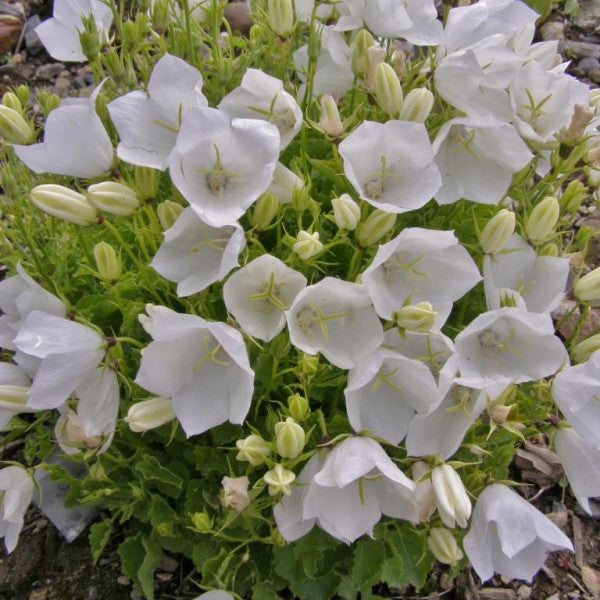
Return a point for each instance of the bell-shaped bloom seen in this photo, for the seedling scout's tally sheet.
(425, 264)
(284, 184)
(509, 536)
(261, 96)
(194, 254)
(518, 272)
(390, 165)
(385, 390)
(259, 294)
(67, 354)
(60, 34)
(16, 492)
(148, 123)
(576, 391)
(222, 165)
(581, 462)
(92, 425)
(20, 295)
(510, 342)
(477, 157)
(75, 141)
(337, 319)
(14, 392)
(202, 366)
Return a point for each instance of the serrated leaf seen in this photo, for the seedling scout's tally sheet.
(263, 591)
(369, 555)
(99, 536)
(160, 512)
(167, 481)
(140, 556)
(209, 460)
(408, 561)
(321, 588)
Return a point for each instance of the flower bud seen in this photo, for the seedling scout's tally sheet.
(497, 231)
(593, 174)
(13, 397)
(281, 16)
(359, 48)
(587, 289)
(107, 262)
(89, 39)
(499, 413)
(417, 105)
(13, 127)
(374, 57)
(150, 414)
(265, 210)
(443, 546)
(346, 212)
(453, 504)
(253, 449)
(377, 225)
(11, 100)
(387, 90)
(549, 250)
(235, 493)
(167, 212)
(202, 522)
(146, 182)
(160, 15)
(571, 199)
(10, 185)
(298, 407)
(289, 438)
(581, 351)
(308, 363)
(582, 117)
(113, 198)
(23, 93)
(279, 480)
(113, 64)
(542, 219)
(330, 122)
(307, 244)
(63, 203)
(418, 318)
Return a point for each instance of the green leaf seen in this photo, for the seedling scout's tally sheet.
(167, 481)
(263, 591)
(140, 556)
(210, 460)
(99, 536)
(369, 555)
(321, 588)
(161, 514)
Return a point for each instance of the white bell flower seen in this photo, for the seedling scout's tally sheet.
(385, 390)
(258, 295)
(201, 365)
(75, 141)
(261, 96)
(222, 165)
(20, 295)
(60, 34)
(194, 254)
(67, 352)
(16, 492)
(14, 392)
(284, 183)
(425, 264)
(390, 165)
(510, 342)
(337, 319)
(477, 158)
(519, 272)
(148, 123)
(509, 536)
(575, 391)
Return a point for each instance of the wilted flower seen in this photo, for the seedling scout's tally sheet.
(235, 493)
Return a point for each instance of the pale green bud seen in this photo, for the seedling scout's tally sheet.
(160, 15)
(281, 16)
(48, 102)
(253, 449)
(89, 38)
(307, 244)
(146, 182)
(63, 203)
(113, 64)
(359, 48)
(13, 397)
(417, 105)
(289, 438)
(587, 289)
(167, 212)
(542, 219)
(378, 224)
(23, 94)
(9, 182)
(583, 350)
(114, 198)
(387, 90)
(330, 122)
(279, 480)
(497, 231)
(549, 250)
(265, 210)
(418, 318)
(346, 212)
(298, 407)
(107, 262)
(11, 100)
(150, 414)
(571, 199)
(308, 363)
(443, 546)
(202, 522)
(499, 413)
(13, 127)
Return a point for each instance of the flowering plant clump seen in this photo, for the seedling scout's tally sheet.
(282, 303)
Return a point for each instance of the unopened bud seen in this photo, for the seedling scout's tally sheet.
(202, 522)
(265, 210)
(417, 105)
(146, 182)
(11, 100)
(13, 397)
(150, 414)
(583, 350)
(298, 407)
(582, 117)
(587, 289)
(378, 224)
(113, 198)
(593, 159)
(497, 231)
(308, 363)
(88, 38)
(235, 493)
(13, 127)
(499, 413)
(63, 203)
(387, 90)
(307, 244)
(279, 480)
(374, 57)
(418, 318)
(160, 15)
(542, 219)
(107, 262)
(549, 250)
(453, 504)
(281, 16)
(359, 47)
(346, 212)
(289, 438)
(167, 212)
(571, 199)
(253, 449)
(113, 64)
(443, 546)
(330, 122)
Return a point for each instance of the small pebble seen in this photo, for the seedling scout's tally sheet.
(553, 30)
(135, 595)
(93, 593)
(122, 580)
(585, 65)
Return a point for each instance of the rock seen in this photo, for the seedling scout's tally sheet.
(135, 595)
(61, 85)
(49, 71)
(32, 41)
(167, 563)
(10, 31)
(560, 519)
(122, 580)
(39, 594)
(163, 577)
(497, 594)
(553, 30)
(585, 65)
(238, 16)
(594, 75)
(524, 592)
(582, 49)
